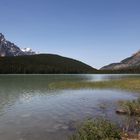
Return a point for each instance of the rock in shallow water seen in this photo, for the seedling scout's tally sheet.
(121, 112)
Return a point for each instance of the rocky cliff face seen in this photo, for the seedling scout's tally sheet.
(10, 49)
(130, 62)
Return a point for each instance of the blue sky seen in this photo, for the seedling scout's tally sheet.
(96, 32)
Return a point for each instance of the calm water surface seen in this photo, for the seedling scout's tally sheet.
(30, 111)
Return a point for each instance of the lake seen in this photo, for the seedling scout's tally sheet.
(29, 110)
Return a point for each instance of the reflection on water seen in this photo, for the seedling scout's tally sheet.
(30, 111)
(104, 77)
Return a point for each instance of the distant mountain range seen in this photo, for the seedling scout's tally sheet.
(14, 60)
(27, 61)
(130, 63)
(10, 49)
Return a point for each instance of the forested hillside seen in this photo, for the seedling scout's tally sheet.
(42, 64)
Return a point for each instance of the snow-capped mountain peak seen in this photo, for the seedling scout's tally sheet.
(10, 49)
(26, 50)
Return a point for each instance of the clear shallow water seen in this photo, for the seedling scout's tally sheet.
(30, 111)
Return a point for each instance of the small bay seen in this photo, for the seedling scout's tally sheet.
(29, 110)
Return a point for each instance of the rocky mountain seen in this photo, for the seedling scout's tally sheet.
(10, 49)
(128, 63)
(25, 62)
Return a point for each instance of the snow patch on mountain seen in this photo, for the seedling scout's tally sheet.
(10, 49)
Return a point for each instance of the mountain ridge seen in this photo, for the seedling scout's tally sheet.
(43, 64)
(8, 48)
(128, 63)
(14, 60)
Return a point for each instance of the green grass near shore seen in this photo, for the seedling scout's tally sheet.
(102, 129)
(131, 108)
(98, 129)
(130, 84)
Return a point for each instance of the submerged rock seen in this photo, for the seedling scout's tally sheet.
(121, 111)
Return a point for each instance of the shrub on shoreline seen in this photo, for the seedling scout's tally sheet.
(131, 108)
(98, 129)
